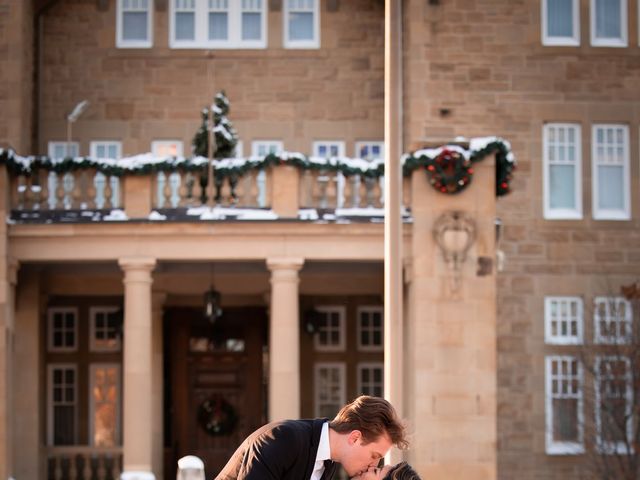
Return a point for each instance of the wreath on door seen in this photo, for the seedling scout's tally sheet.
(216, 416)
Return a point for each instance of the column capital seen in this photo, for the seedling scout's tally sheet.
(285, 263)
(137, 263)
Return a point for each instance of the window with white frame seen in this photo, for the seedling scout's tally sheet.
(134, 24)
(331, 333)
(610, 172)
(561, 22)
(369, 150)
(62, 396)
(562, 175)
(371, 329)
(261, 148)
(105, 325)
(613, 405)
(106, 149)
(330, 388)
(371, 379)
(104, 409)
(612, 318)
(167, 148)
(564, 324)
(218, 24)
(609, 23)
(564, 404)
(62, 329)
(61, 150)
(328, 149)
(301, 23)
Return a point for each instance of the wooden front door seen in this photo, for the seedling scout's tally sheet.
(215, 375)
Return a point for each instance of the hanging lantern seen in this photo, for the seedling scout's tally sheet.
(212, 310)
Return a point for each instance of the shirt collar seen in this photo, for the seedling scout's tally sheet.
(324, 448)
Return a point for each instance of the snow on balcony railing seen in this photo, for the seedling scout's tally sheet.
(84, 463)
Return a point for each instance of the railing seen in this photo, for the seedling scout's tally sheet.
(327, 189)
(84, 463)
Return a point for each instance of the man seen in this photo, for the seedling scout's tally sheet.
(361, 434)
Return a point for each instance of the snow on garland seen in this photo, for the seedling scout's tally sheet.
(143, 164)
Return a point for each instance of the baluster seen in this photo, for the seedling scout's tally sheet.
(188, 189)
(340, 183)
(73, 468)
(232, 181)
(306, 189)
(261, 182)
(57, 468)
(21, 189)
(100, 184)
(355, 191)
(220, 189)
(175, 181)
(68, 184)
(44, 185)
(381, 185)
(370, 185)
(115, 471)
(52, 183)
(35, 190)
(242, 187)
(161, 181)
(115, 191)
(101, 470)
(91, 191)
(322, 182)
(108, 192)
(87, 470)
(80, 190)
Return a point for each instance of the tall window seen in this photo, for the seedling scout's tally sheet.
(106, 149)
(331, 329)
(612, 320)
(134, 27)
(61, 150)
(218, 24)
(105, 404)
(330, 388)
(62, 387)
(609, 23)
(564, 403)
(560, 22)
(614, 419)
(370, 329)
(371, 379)
(610, 172)
(301, 24)
(562, 171)
(563, 320)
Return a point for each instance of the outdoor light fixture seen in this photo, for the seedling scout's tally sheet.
(71, 119)
(212, 309)
(454, 232)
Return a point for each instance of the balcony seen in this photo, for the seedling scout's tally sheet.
(84, 463)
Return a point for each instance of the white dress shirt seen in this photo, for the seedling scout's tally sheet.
(324, 453)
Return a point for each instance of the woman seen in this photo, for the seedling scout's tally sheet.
(401, 471)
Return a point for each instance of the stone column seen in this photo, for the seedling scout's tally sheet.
(137, 365)
(158, 300)
(284, 339)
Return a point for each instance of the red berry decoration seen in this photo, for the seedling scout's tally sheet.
(450, 172)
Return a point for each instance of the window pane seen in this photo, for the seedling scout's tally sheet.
(301, 26)
(251, 26)
(565, 413)
(63, 425)
(134, 26)
(562, 186)
(104, 398)
(218, 26)
(185, 26)
(560, 18)
(608, 19)
(611, 187)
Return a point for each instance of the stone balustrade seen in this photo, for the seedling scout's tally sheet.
(84, 463)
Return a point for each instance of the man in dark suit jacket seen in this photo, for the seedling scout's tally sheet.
(358, 437)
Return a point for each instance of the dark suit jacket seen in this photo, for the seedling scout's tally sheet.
(277, 451)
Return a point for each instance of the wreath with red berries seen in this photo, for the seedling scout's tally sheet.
(216, 416)
(450, 172)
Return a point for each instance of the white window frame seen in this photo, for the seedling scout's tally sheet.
(341, 367)
(51, 147)
(342, 328)
(50, 369)
(598, 336)
(604, 214)
(560, 339)
(120, 41)
(562, 213)
(51, 311)
(92, 407)
(373, 143)
(95, 144)
(314, 43)
(234, 16)
(328, 143)
(573, 40)
(608, 447)
(369, 366)
(563, 448)
(277, 146)
(157, 144)
(370, 309)
(93, 347)
(620, 42)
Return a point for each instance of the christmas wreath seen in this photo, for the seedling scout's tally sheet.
(449, 172)
(216, 416)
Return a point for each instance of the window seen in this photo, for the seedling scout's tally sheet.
(609, 23)
(60, 150)
(564, 402)
(104, 413)
(301, 24)
(134, 27)
(261, 148)
(218, 24)
(62, 328)
(612, 320)
(330, 388)
(614, 419)
(238, 152)
(370, 329)
(62, 404)
(330, 336)
(166, 148)
(369, 150)
(105, 324)
(610, 172)
(563, 320)
(562, 171)
(560, 22)
(106, 150)
(370, 379)
(328, 149)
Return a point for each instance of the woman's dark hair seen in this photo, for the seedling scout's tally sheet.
(402, 471)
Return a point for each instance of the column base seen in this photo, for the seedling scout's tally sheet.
(137, 475)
